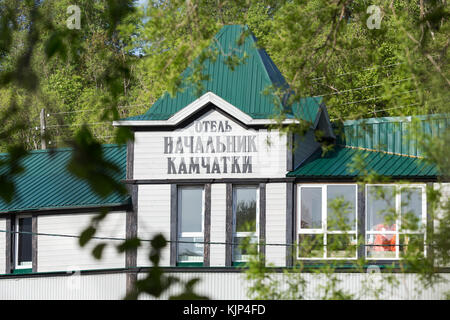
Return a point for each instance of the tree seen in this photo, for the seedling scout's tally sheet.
(122, 56)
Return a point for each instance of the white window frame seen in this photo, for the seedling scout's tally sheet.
(27, 264)
(398, 188)
(179, 211)
(241, 234)
(323, 231)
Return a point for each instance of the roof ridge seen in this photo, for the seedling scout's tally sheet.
(256, 74)
(65, 149)
(382, 151)
(396, 119)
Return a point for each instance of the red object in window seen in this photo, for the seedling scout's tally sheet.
(384, 242)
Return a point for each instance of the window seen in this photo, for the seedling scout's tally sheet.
(327, 221)
(245, 219)
(190, 224)
(23, 243)
(396, 220)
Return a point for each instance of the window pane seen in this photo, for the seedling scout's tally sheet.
(310, 246)
(341, 246)
(311, 210)
(190, 203)
(245, 206)
(24, 244)
(341, 207)
(191, 251)
(243, 247)
(381, 208)
(411, 208)
(381, 246)
(412, 244)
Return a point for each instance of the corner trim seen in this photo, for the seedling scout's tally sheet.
(173, 224)
(207, 226)
(262, 220)
(34, 242)
(229, 225)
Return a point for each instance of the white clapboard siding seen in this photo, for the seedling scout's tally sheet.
(444, 189)
(153, 218)
(3, 246)
(276, 223)
(218, 217)
(268, 161)
(64, 253)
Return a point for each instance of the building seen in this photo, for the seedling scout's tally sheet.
(201, 167)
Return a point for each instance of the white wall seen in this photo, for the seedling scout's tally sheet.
(444, 188)
(218, 218)
(219, 285)
(153, 218)
(2, 246)
(64, 253)
(363, 286)
(276, 223)
(150, 161)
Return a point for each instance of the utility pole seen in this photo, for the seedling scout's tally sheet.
(43, 127)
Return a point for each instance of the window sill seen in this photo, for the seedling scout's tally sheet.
(239, 264)
(190, 264)
(22, 271)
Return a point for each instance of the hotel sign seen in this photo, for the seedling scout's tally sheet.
(210, 147)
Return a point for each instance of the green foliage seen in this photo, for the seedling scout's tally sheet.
(123, 59)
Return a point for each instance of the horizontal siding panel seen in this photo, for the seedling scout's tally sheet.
(62, 253)
(220, 286)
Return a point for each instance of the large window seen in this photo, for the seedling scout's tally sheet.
(23, 243)
(245, 220)
(395, 220)
(327, 221)
(190, 224)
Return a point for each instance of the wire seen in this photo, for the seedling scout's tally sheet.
(92, 110)
(76, 124)
(376, 98)
(360, 88)
(371, 112)
(375, 111)
(366, 69)
(182, 241)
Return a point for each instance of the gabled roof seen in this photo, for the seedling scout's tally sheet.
(46, 183)
(337, 164)
(242, 87)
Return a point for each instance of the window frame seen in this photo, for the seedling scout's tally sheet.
(324, 230)
(398, 209)
(234, 233)
(181, 234)
(29, 264)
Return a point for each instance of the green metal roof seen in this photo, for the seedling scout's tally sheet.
(243, 87)
(337, 164)
(393, 134)
(46, 183)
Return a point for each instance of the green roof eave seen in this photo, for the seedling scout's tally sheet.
(338, 164)
(47, 185)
